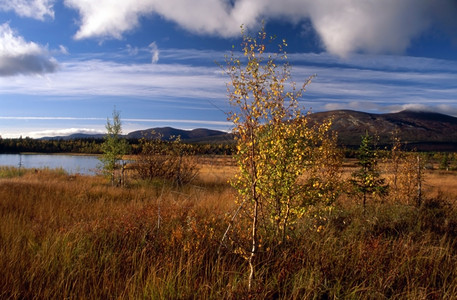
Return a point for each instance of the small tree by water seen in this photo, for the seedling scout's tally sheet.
(114, 147)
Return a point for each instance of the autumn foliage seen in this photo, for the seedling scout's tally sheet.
(276, 147)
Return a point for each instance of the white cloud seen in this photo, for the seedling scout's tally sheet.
(63, 132)
(371, 26)
(440, 108)
(344, 26)
(393, 108)
(155, 52)
(107, 18)
(215, 17)
(36, 9)
(18, 56)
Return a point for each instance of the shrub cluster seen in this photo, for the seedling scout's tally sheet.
(166, 160)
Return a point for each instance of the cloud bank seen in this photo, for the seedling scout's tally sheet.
(344, 26)
(352, 83)
(18, 56)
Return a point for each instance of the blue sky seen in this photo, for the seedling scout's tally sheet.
(65, 64)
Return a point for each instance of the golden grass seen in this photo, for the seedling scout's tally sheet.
(217, 169)
(76, 237)
(441, 182)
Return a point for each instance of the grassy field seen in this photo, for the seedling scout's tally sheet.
(76, 237)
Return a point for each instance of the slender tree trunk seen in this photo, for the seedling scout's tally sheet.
(255, 214)
(286, 219)
(254, 244)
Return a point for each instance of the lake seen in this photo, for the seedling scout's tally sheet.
(72, 164)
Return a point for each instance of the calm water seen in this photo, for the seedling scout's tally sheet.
(72, 164)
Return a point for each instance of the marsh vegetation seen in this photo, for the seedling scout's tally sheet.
(71, 236)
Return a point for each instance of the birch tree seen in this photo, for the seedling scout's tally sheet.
(275, 144)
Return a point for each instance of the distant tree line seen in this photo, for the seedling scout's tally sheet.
(94, 146)
(87, 145)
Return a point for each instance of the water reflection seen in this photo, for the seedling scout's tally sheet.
(72, 164)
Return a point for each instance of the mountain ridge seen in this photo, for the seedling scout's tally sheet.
(167, 133)
(420, 130)
(424, 131)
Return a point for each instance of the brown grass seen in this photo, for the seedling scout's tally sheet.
(76, 237)
(441, 182)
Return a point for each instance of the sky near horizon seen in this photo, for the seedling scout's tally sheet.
(66, 64)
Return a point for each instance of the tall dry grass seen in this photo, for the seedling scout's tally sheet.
(76, 237)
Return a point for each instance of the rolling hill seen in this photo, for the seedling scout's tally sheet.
(423, 131)
(191, 136)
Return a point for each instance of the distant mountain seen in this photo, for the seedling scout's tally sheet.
(191, 136)
(199, 135)
(425, 131)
